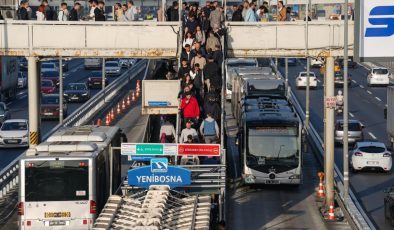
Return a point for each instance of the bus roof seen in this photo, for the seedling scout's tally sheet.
(73, 141)
(254, 71)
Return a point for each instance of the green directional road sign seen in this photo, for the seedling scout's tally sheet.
(141, 149)
(151, 149)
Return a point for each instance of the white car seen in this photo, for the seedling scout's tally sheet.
(315, 62)
(379, 76)
(112, 68)
(301, 80)
(124, 63)
(49, 66)
(370, 155)
(22, 80)
(14, 133)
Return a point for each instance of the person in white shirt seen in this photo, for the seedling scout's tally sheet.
(131, 12)
(188, 131)
(168, 129)
(63, 13)
(40, 13)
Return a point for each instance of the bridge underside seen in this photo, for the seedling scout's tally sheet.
(161, 40)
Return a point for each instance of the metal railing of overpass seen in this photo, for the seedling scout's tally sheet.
(161, 39)
(89, 39)
(9, 175)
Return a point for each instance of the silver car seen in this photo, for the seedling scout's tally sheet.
(355, 131)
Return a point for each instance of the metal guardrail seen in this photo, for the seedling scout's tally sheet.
(9, 175)
(359, 217)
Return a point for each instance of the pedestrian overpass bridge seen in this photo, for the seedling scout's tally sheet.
(162, 39)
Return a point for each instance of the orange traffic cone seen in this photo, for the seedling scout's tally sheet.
(331, 215)
(123, 105)
(118, 109)
(133, 96)
(128, 100)
(107, 120)
(320, 191)
(112, 114)
(99, 122)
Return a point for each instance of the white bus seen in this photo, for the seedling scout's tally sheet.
(233, 63)
(65, 181)
(270, 142)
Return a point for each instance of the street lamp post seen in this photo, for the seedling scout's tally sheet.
(345, 106)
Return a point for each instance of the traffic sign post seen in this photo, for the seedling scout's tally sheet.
(330, 102)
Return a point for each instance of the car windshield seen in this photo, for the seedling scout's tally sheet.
(372, 149)
(111, 64)
(2, 109)
(46, 84)
(47, 65)
(380, 71)
(20, 75)
(305, 74)
(272, 145)
(353, 126)
(52, 100)
(96, 74)
(76, 87)
(7, 126)
(50, 74)
(338, 75)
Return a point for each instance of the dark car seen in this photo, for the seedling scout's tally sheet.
(47, 86)
(4, 112)
(95, 80)
(339, 79)
(23, 64)
(389, 205)
(50, 107)
(351, 64)
(290, 61)
(76, 92)
(51, 75)
(64, 63)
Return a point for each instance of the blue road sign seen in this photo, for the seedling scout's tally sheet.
(159, 173)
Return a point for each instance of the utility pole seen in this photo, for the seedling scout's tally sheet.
(329, 130)
(34, 100)
(61, 90)
(286, 74)
(345, 107)
(308, 64)
(103, 74)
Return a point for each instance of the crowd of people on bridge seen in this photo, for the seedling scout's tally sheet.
(200, 76)
(195, 19)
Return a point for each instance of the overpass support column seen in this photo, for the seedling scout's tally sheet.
(34, 101)
(329, 130)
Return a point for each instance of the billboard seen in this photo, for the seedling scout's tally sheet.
(374, 30)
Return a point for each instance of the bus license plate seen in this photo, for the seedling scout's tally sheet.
(372, 162)
(57, 222)
(57, 214)
(272, 182)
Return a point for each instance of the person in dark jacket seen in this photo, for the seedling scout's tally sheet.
(191, 24)
(211, 105)
(99, 12)
(183, 69)
(50, 14)
(22, 11)
(237, 15)
(218, 56)
(74, 13)
(174, 12)
(211, 73)
(204, 22)
(187, 54)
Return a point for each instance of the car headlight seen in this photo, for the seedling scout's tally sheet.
(89, 79)
(26, 135)
(250, 178)
(295, 176)
(65, 94)
(84, 94)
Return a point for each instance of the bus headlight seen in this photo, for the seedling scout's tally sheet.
(295, 176)
(250, 179)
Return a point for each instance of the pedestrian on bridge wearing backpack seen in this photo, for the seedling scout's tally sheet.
(209, 129)
(22, 11)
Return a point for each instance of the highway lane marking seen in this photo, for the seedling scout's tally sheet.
(373, 136)
(362, 124)
(378, 99)
(24, 96)
(318, 80)
(369, 92)
(361, 86)
(354, 81)
(351, 114)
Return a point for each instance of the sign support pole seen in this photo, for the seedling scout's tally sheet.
(345, 107)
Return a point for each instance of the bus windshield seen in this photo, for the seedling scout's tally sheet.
(272, 146)
(57, 180)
